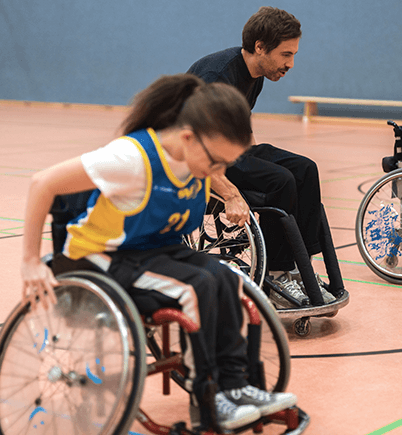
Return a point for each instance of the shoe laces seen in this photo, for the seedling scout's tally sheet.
(293, 288)
(255, 393)
(320, 281)
(321, 284)
(223, 404)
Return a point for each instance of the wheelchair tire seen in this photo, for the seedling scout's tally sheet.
(378, 227)
(243, 247)
(76, 368)
(274, 349)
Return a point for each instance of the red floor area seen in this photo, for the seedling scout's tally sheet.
(343, 373)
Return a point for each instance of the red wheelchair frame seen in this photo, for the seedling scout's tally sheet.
(293, 418)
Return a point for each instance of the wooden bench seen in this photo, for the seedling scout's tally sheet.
(310, 103)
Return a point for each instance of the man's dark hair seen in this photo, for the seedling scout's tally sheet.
(271, 26)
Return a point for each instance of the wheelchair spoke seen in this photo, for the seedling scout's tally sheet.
(242, 247)
(68, 369)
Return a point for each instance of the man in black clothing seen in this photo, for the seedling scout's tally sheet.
(286, 180)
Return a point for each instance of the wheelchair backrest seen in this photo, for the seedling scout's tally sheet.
(63, 210)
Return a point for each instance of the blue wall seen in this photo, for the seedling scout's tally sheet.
(103, 51)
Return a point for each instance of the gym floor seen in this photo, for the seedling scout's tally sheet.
(346, 373)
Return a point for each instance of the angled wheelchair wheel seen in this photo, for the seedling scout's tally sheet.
(267, 340)
(378, 227)
(243, 247)
(269, 357)
(76, 368)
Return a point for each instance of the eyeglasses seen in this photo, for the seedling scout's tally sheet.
(214, 163)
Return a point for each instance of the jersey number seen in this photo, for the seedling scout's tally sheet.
(177, 221)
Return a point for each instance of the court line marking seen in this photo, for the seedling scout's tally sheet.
(342, 199)
(347, 354)
(14, 171)
(10, 236)
(340, 208)
(19, 168)
(373, 283)
(11, 219)
(351, 177)
(346, 246)
(342, 229)
(384, 284)
(15, 175)
(11, 231)
(387, 428)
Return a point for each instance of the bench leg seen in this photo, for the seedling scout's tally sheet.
(310, 109)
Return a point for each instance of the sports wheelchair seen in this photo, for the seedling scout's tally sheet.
(378, 221)
(79, 367)
(244, 247)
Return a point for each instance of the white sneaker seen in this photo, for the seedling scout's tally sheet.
(267, 403)
(231, 416)
(290, 287)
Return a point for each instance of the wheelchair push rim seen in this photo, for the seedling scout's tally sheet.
(78, 366)
(242, 247)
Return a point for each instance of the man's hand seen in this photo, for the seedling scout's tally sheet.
(237, 210)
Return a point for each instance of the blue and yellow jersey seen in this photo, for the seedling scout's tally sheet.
(169, 209)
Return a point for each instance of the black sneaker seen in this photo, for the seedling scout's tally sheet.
(267, 403)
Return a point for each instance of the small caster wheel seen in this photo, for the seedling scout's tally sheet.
(392, 261)
(302, 327)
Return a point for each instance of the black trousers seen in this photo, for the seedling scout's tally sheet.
(290, 182)
(204, 289)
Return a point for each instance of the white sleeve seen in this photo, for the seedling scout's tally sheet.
(116, 169)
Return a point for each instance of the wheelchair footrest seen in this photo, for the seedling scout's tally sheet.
(294, 418)
(290, 417)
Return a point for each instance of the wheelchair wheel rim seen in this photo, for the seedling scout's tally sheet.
(61, 380)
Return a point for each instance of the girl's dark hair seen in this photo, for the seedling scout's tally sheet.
(271, 26)
(186, 100)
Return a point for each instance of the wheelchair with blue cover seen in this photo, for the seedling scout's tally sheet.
(79, 366)
(244, 248)
(378, 221)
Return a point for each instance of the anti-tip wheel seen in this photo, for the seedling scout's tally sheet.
(302, 327)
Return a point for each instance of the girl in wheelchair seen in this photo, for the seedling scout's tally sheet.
(150, 187)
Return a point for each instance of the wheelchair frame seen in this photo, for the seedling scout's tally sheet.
(91, 301)
(245, 249)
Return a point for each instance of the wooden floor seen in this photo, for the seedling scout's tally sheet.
(347, 373)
